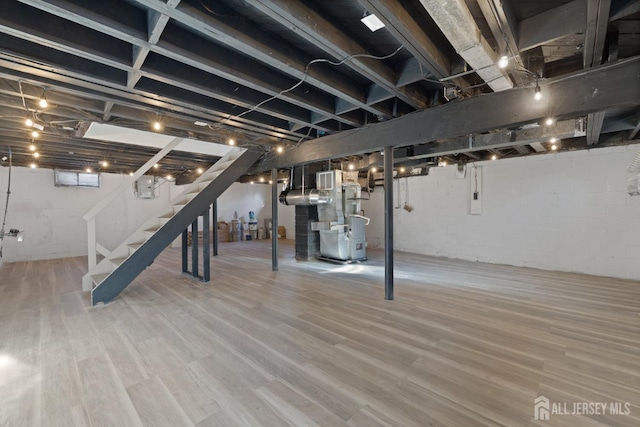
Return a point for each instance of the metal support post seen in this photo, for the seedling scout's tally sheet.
(388, 223)
(274, 219)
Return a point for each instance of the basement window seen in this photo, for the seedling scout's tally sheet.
(76, 179)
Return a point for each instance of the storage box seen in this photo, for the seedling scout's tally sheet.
(223, 225)
(282, 232)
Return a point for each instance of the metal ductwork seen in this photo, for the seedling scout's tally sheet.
(456, 22)
(633, 177)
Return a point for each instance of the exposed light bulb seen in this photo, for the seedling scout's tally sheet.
(351, 166)
(374, 169)
(444, 163)
(28, 122)
(104, 163)
(232, 141)
(157, 125)
(130, 173)
(537, 94)
(35, 134)
(549, 121)
(199, 170)
(554, 147)
(169, 178)
(36, 154)
(156, 166)
(88, 170)
(402, 170)
(33, 166)
(270, 181)
(251, 182)
(494, 157)
(553, 140)
(43, 102)
(280, 149)
(32, 147)
(261, 179)
(503, 62)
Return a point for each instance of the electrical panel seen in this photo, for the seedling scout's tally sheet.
(145, 187)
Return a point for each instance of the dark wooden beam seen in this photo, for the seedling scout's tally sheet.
(607, 86)
(594, 126)
(596, 31)
(316, 29)
(553, 24)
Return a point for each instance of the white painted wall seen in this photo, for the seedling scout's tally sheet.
(566, 211)
(52, 216)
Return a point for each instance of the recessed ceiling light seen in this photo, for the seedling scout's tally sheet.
(372, 22)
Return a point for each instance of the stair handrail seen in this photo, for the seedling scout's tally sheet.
(90, 217)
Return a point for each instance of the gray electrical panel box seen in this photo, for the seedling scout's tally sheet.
(145, 187)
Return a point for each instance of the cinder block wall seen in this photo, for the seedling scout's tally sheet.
(565, 211)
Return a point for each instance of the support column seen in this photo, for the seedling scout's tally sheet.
(215, 228)
(388, 223)
(194, 248)
(206, 254)
(274, 219)
(185, 251)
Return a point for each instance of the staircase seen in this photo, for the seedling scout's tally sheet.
(114, 273)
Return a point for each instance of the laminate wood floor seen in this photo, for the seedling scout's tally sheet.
(315, 344)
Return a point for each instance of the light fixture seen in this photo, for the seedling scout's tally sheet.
(351, 166)
(35, 134)
(537, 95)
(374, 169)
(130, 173)
(32, 147)
(270, 181)
(402, 170)
(157, 125)
(88, 170)
(442, 162)
(261, 179)
(549, 121)
(251, 182)
(280, 149)
(156, 166)
(4, 158)
(503, 61)
(36, 154)
(43, 102)
(372, 22)
(199, 170)
(33, 166)
(169, 178)
(104, 163)
(231, 141)
(494, 157)
(554, 147)
(199, 123)
(28, 122)
(553, 140)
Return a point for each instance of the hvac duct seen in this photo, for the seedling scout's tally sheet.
(633, 177)
(456, 22)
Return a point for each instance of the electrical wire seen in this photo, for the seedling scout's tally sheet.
(303, 78)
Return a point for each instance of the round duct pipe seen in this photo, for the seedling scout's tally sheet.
(305, 198)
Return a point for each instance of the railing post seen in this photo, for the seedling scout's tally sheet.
(91, 239)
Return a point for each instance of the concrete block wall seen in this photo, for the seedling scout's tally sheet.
(563, 211)
(51, 217)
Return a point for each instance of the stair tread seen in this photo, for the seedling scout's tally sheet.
(98, 278)
(135, 245)
(118, 261)
(153, 229)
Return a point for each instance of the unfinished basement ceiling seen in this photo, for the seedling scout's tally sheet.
(264, 72)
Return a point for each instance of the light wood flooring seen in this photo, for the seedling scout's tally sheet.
(315, 344)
